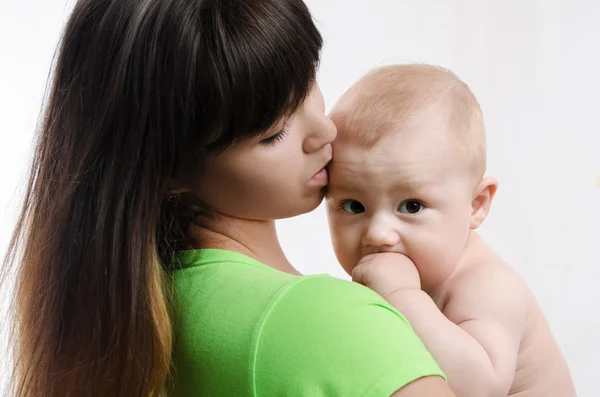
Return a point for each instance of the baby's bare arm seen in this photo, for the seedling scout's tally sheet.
(477, 344)
(490, 303)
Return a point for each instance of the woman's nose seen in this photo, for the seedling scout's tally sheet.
(322, 133)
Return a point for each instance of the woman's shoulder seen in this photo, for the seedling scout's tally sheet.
(323, 304)
(340, 336)
(226, 276)
(333, 293)
(230, 278)
(276, 333)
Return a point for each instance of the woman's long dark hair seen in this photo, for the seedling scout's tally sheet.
(139, 89)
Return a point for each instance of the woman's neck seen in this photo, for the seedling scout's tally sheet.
(256, 239)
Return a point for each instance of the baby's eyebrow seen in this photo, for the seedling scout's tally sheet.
(344, 189)
(413, 184)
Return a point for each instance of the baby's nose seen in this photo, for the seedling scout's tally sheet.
(380, 235)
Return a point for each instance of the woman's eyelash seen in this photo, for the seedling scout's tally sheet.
(277, 137)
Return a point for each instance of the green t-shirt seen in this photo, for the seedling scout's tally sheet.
(245, 329)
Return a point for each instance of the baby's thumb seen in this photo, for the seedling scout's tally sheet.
(359, 274)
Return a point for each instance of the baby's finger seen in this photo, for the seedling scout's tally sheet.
(359, 274)
(366, 259)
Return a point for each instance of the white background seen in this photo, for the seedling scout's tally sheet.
(534, 66)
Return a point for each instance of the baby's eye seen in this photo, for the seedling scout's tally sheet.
(352, 207)
(410, 207)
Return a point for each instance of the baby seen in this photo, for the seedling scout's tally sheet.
(407, 180)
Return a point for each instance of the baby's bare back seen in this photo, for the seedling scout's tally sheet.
(541, 369)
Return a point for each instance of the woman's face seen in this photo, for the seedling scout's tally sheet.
(277, 175)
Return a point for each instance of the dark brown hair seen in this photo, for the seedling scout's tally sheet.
(139, 87)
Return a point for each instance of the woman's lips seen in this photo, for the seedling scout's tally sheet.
(320, 178)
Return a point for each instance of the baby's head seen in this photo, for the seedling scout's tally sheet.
(407, 169)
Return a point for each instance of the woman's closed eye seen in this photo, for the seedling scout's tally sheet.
(277, 137)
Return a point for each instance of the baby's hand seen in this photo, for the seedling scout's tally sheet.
(386, 273)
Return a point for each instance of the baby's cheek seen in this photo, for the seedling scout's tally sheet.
(422, 258)
(436, 264)
(422, 248)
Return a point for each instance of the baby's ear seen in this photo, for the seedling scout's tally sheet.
(482, 201)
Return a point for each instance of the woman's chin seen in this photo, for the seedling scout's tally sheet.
(308, 205)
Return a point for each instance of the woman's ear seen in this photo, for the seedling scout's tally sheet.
(179, 183)
(482, 201)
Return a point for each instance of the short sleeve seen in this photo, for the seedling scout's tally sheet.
(329, 337)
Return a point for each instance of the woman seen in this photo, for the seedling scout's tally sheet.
(175, 133)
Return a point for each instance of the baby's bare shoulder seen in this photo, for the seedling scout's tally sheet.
(488, 289)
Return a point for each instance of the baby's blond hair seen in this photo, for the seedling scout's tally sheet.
(390, 97)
